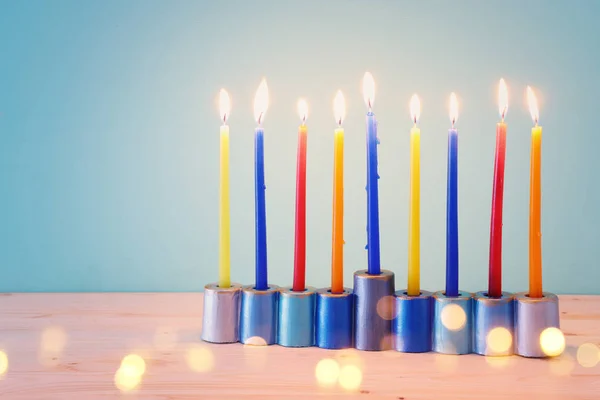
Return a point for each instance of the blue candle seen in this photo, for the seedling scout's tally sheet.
(373, 256)
(261, 101)
(452, 205)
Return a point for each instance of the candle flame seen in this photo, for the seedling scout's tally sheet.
(261, 101)
(502, 99)
(415, 108)
(224, 105)
(533, 105)
(339, 107)
(453, 108)
(302, 110)
(369, 90)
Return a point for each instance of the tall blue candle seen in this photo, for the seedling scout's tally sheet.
(452, 205)
(373, 256)
(261, 101)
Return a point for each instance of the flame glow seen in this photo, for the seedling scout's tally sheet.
(224, 105)
(502, 99)
(302, 110)
(415, 108)
(369, 89)
(533, 105)
(453, 108)
(261, 101)
(339, 107)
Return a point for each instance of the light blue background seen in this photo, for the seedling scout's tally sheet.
(109, 128)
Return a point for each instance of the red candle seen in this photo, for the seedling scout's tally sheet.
(300, 233)
(495, 278)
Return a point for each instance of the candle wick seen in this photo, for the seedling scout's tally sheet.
(260, 118)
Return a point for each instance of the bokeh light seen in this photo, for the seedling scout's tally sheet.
(453, 317)
(127, 379)
(3, 363)
(200, 358)
(130, 372)
(54, 339)
(350, 377)
(134, 363)
(327, 372)
(256, 341)
(52, 345)
(499, 340)
(552, 342)
(588, 355)
(385, 308)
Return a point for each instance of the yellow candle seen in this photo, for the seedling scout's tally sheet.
(224, 225)
(337, 237)
(535, 202)
(414, 224)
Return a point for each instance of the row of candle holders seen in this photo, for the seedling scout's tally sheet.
(374, 317)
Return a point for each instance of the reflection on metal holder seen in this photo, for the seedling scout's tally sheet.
(374, 310)
(493, 324)
(532, 316)
(334, 319)
(258, 315)
(413, 322)
(452, 323)
(221, 315)
(296, 321)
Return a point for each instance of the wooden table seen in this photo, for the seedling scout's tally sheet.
(70, 346)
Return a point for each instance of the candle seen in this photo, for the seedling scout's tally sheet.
(495, 275)
(373, 257)
(300, 234)
(452, 205)
(261, 103)
(535, 201)
(224, 225)
(414, 224)
(337, 237)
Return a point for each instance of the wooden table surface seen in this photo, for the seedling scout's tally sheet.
(71, 346)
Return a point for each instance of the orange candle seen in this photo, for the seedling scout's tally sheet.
(337, 236)
(535, 202)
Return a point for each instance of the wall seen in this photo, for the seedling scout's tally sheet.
(109, 129)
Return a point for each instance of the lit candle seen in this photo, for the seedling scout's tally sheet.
(495, 275)
(337, 237)
(261, 103)
(300, 234)
(535, 201)
(373, 257)
(224, 225)
(414, 224)
(452, 205)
